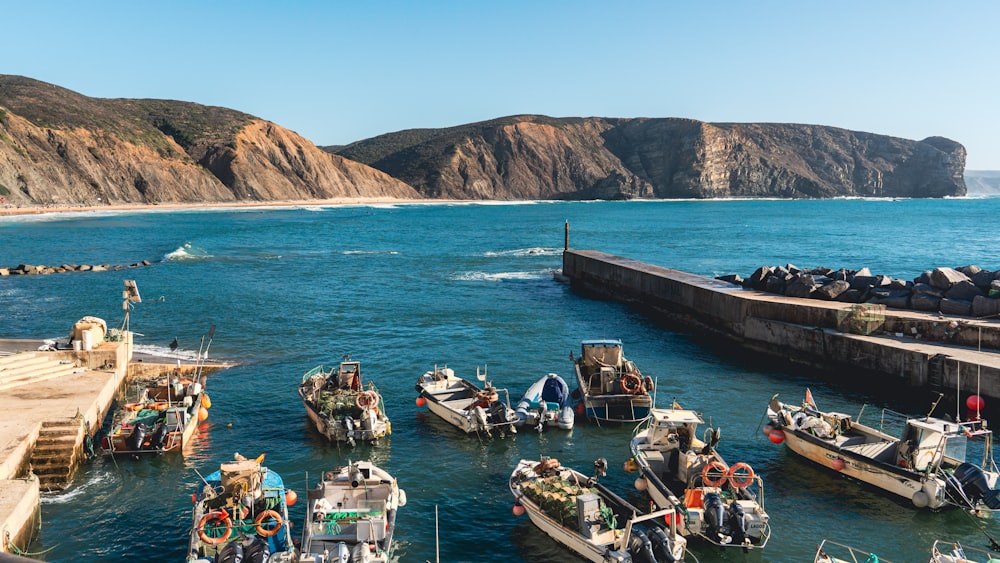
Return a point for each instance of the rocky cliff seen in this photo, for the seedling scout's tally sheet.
(538, 157)
(58, 147)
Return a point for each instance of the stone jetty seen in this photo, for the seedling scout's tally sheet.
(968, 291)
(29, 269)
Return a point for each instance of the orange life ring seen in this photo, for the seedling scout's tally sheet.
(741, 480)
(133, 406)
(647, 384)
(216, 520)
(367, 400)
(631, 383)
(714, 467)
(259, 523)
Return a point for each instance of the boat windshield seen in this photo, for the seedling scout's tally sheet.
(955, 447)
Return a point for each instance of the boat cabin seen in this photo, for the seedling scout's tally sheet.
(925, 441)
(349, 375)
(675, 428)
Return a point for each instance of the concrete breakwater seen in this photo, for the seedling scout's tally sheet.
(30, 269)
(922, 350)
(965, 291)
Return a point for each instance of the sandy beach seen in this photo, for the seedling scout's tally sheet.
(37, 210)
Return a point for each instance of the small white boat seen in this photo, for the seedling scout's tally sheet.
(464, 405)
(351, 516)
(241, 514)
(609, 387)
(954, 552)
(926, 465)
(341, 406)
(583, 515)
(546, 403)
(833, 552)
(722, 504)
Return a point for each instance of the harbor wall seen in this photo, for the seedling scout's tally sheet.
(920, 350)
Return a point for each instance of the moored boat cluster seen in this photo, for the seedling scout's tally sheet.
(695, 495)
(966, 290)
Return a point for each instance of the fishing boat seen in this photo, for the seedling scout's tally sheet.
(164, 415)
(925, 464)
(589, 519)
(463, 404)
(546, 403)
(351, 516)
(954, 552)
(609, 387)
(341, 406)
(721, 504)
(162, 419)
(241, 514)
(843, 553)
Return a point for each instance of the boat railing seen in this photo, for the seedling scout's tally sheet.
(856, 555)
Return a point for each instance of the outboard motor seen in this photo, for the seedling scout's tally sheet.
(714, 515)
(543, 408)
(159, 436)
(498, 413)
(348, 428)
(975, 486)
(134, 441)
(662, 546)
(342, 553)
(640, 547)
(737, 523)
(256, 552)
(232, 552)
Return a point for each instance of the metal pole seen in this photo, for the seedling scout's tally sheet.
(566, 236)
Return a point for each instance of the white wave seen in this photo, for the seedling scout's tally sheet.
(353, 252)
(503, 276)
(535, 251)
(186, 252)
(68, 495)
(166, 352)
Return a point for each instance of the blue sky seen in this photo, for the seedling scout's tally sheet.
(336, 72)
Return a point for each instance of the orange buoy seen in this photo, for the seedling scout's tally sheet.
(580, 409)
(202, 414)
(290, 497)
(206, 402)
(777, 436)
(518, 510)
(839, 464)
(421, 401)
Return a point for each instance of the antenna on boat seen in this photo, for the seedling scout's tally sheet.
(437, 542)
(934, 406)
(129, 295)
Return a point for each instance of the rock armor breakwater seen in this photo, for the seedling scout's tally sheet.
(30, 269)
(964, 291)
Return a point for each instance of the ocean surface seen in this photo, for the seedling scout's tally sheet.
(404, 288)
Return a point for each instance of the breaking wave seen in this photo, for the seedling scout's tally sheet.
(353, 252)
(166, 352)
(504, 276)
(534, 251)
(186, 252)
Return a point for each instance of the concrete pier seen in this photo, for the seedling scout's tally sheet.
(50, 403)
(920, 350)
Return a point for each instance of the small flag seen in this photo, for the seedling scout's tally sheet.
(809, 398)
(676, 405)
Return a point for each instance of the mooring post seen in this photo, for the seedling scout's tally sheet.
(566, 236)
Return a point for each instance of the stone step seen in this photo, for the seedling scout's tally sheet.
(14, 361)
(35, 373)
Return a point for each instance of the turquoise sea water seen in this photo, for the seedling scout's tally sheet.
(402, 288)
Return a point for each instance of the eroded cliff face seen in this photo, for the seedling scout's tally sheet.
(67, 150)
(536, 157)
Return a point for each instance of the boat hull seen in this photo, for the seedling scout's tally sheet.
(889, 478)
(465, 406)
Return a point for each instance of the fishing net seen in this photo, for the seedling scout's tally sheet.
(557, 497)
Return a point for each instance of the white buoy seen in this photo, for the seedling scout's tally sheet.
(640, 484)
(919, 499)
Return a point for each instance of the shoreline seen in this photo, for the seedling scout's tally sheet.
(174, 206)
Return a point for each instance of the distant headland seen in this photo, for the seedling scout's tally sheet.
(62, 150)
